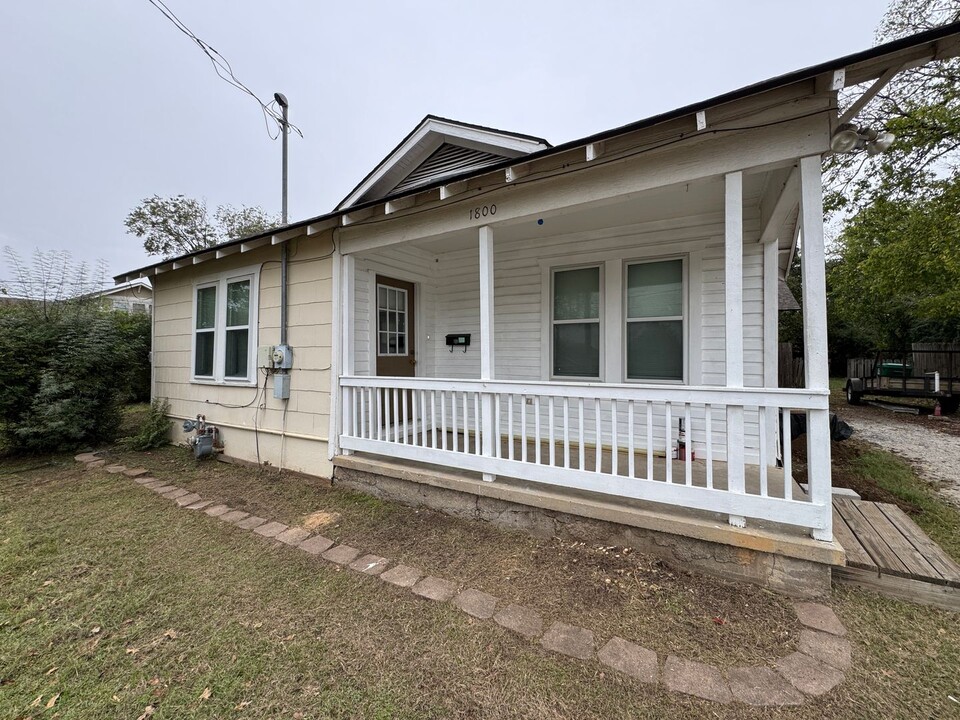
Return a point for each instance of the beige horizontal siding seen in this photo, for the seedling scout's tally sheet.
(309, 332)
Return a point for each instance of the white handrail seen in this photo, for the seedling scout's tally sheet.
(797, 399)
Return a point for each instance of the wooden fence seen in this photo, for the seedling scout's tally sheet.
(789, 368)
(943, 358)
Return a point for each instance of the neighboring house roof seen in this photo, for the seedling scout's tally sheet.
(140, 284)
(786, 300)
(437, 149)
(858, 68)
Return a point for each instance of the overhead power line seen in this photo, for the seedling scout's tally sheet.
(225, 72)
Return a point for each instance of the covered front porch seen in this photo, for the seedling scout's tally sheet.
(678, 409)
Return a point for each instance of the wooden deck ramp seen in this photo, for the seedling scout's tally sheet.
(887, 552)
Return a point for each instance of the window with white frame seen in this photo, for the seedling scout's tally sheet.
(391, 321)
(654, 315)
(224, 329)
(575, 320)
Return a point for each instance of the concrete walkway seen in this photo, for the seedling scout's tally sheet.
(816, 668)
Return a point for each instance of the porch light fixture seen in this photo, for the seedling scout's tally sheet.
(849, 138)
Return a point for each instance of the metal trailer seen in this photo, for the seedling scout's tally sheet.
(933, 374)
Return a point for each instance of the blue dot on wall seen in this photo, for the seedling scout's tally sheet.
(540, 221)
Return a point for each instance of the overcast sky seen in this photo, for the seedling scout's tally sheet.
(106, 102)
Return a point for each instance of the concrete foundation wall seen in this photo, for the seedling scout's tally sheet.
(791, 576)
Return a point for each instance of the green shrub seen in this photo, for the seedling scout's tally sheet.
(66, 371)
(154, 430)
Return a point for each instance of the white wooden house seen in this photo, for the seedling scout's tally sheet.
(613, 289)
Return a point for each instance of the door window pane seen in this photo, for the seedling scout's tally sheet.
(203, 354)
(391, 320)
(655, 350)
(576, 349)
(206, 307)
(235, 362)
(576, 294)
(655, 289)
(238, 303)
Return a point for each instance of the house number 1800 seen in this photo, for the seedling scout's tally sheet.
(482, 212)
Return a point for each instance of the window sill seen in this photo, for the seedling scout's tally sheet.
(224, 383)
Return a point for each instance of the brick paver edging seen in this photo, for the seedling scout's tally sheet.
(816, 668)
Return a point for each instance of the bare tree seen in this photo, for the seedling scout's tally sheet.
(52, 281)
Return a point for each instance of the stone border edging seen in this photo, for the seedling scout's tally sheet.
(816, 668)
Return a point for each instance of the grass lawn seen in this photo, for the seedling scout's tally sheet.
(113, 601)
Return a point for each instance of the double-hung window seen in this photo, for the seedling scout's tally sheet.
(654, 314)
(576, 323)
(224, 329)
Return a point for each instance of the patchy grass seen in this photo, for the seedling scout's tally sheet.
(112, 600)
(879, 475)
(940, 520)
(610, 590)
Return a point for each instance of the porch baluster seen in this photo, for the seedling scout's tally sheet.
(413, 414)
(787, 456)
(708, 428)
(453, 419)
(649, 440)
(396, 415)
(599, 435)
(433, 419)
(478, 424)
(762, 427)
(553, 446)
(614, 446)
(668, 440)
(443, 419)
(523, 428)
(536, 427)
(510, 426)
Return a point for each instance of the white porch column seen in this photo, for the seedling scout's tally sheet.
(489, 425)
(733, 300)
(771, 347)
(347, 340)
(815, 367)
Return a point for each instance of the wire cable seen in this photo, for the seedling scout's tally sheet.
(224, 70)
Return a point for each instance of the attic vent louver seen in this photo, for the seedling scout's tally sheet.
(447, 160)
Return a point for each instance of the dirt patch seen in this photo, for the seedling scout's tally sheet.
(320, 519)
(610, 590)
(846, 473)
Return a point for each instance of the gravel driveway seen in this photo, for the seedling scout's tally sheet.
(935, 454)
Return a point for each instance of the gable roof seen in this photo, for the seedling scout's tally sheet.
(936, 44)
(437, 149)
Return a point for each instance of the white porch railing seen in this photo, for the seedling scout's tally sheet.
(613, 439)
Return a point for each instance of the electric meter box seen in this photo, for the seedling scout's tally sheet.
(283, 357)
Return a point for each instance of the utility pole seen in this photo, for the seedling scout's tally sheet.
(285, 131)
(283, 356)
